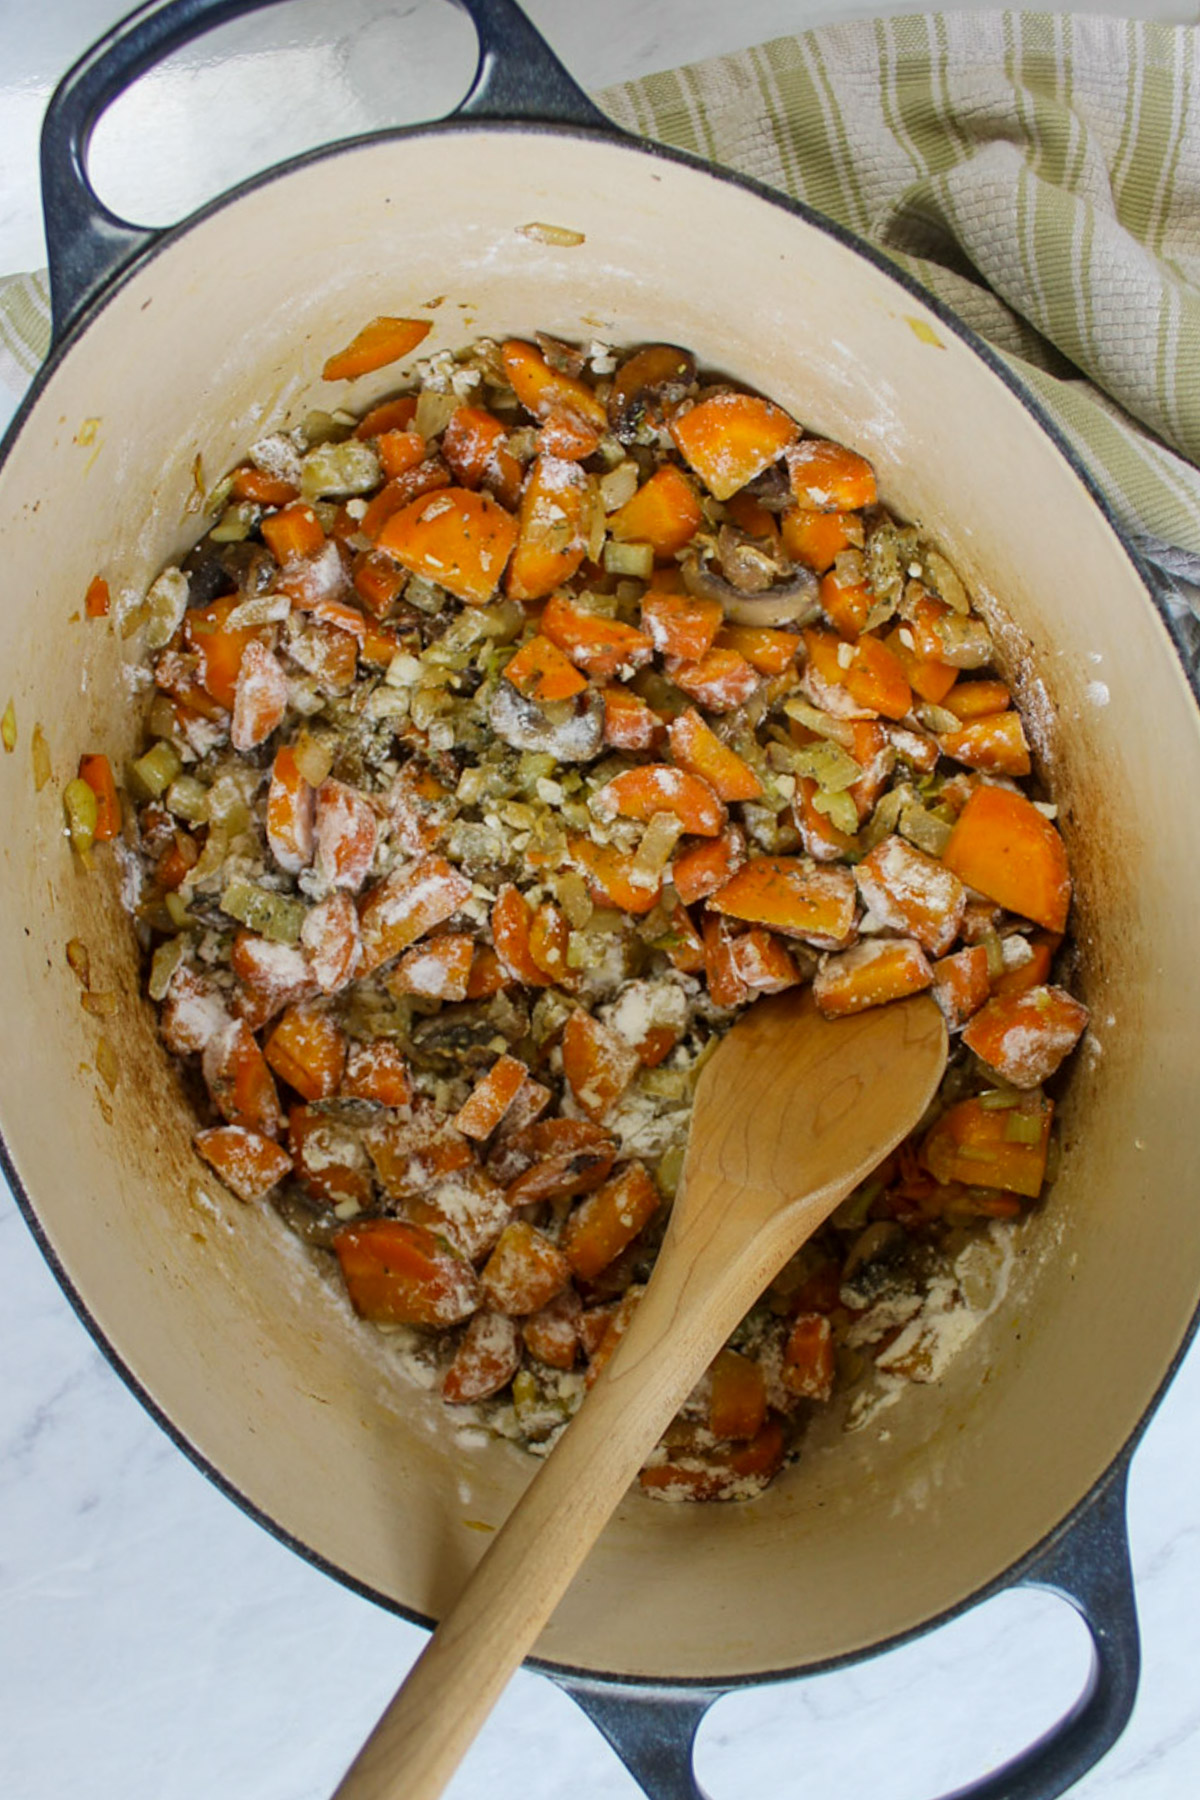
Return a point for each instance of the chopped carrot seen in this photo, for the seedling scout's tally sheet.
(629, 724)
(427, 478)
(541, 672)
(291, 811)
(870, 674)
(602, 647)
(307, 1049)
(911, 891)
(1009, 852)
(701, 752)
(651, 788)
(552, 528)
(399, 451)
(474, 443)
(979, 1145)
(770, 651)
(378, 581)
(720, 681)
(752, 517)
(800, 899)
(681, 625)
(597, 1064)
(1025, 1036)
(732, 1473)
(270, 976)
(293, 533)
(173, 868)
(330, 1163)
(683, 946)
(437, 969)
(524, 1272)
(458, 539)
(97, 772)
(526, 1108)
(703, 868)
(414, 1151)
(614, 1322)
(761, 963)
(249, 1164)
(239, 1081)
(512, 923)
(218, 648)
(490, 1099)
(401, 1274)
(995, 743)
(1034, 971)
(822, 839)
(608, 1219)
(828, 475)
(552, 1333)
(871, 748)
(549, 937)
(345, 832)
(664, 513)
(488, 974)
(330, 935)
(870, 974)
(249, 483)
(385, 340)
(377, 1071)
(730, 438)
(737, 1403)
(543, 390)
(845, 604)
(380, 643)
(97, 599)
(657, 1045)
(976, 699)
(565, 434)
(609, 874)
(389, 415)
(960, 984)
(565, 1157)
(407, 904)
(725, 985)
(929, 677)
(486, 1359)
(808, 1357)
(814, 539)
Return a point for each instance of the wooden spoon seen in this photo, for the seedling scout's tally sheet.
(791, 1112)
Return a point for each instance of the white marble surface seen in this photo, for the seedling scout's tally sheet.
(155, 1644)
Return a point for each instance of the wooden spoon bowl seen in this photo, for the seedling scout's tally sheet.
(791, 1112)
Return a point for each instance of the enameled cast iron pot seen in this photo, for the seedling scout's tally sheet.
(193, 343)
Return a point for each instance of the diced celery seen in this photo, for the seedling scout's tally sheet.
(236, 523)
(153, 773)
(340, 470)
(1022, 1127)
(839, 809)
(163, 964)
(274, 916)
(921, 828)
(629, 559)
(83, 812)
(999, 1099)
(828, 765)
(187, 798)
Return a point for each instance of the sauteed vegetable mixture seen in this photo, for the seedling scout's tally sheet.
(504, 743)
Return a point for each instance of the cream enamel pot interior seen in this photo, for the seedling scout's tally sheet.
(215, 332)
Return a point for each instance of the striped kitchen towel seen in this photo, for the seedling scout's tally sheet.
(1039, 173)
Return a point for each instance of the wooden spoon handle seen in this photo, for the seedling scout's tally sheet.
(427, 1729)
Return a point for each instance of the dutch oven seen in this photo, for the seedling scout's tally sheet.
(190, 344)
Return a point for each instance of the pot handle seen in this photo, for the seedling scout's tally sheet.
(654, 1731)
(517, 76)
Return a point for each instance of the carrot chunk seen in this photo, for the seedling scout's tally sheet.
(543, 390)
(1009, 852)
(610, 1218)
(770, 651)
(822, 839)
(737, 1403)
(808, 1357)
(725, 985)
(762, 963)
(790, 895)
(458, 539)
(218, 648)
(701, 752)
(487, 1358)
(701, 1473)
(271, 976)
(828, 475)
(995, 743)
(1025, 1036)
(438, 969)
(910, 891)
(249, 483)
(239, 1081)
(331, 937)
(399, 451)
(249, 1164)
(1034, 971)
(977, 699)
(524, 1272)
(294, 533)
(873, 679)
(598, 1064)
(490, 1099)
(664, 513)
(609, 873)
(601, 647)
(427, 478)
(389, 415)
(982, 1146)
(552, 1333)
(720, 681)
(377, 1071)
(401, 1274)
(846, 604)
(960, 984)
(928, 677)
(413, 1154)
(97, 772)
(541, 672)
(552, 529)
(682, 945)
(512, 923)
(549, 937)
(870, 974)
(488, 974)
(406, 905)
(730, 438)
(558, 1158)
(385, 340)
(307, 1049)
(704, 868)
(474, 444)
(629, 724)
(653, 788)
(330, 1163)
(815, 539)
(680, 624)
(345, 831)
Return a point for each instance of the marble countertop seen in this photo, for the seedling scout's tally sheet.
(155, 1644)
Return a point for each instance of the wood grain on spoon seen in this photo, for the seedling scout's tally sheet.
(791, 1112)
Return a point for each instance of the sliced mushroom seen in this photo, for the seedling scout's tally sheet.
(792, 602)
(646, 385)
(570, 730)
(461, 1038)
(748, 564)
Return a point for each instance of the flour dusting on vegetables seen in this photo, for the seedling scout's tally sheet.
(502, 745)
